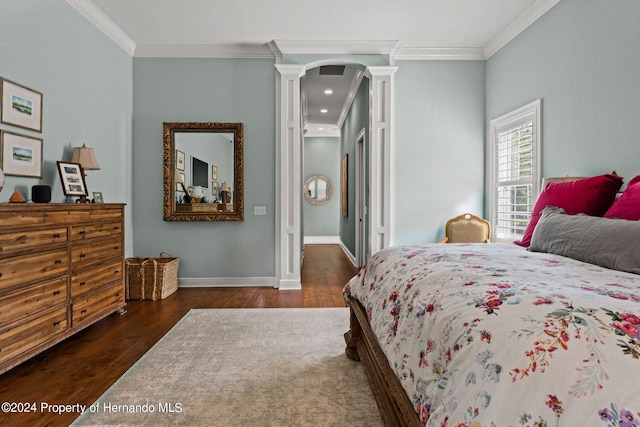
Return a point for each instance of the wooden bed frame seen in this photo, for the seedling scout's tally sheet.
(394, 405)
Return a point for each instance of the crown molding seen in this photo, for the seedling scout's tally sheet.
(95, 16)
(521, 23)
(333, 47)
(406, 53)
(246, 50)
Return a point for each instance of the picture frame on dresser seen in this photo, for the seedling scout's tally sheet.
(21, 155)
(21, 106)
(72, 179)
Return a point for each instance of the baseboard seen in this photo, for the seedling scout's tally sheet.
(321, 240)
(349, 255)
(226, 282)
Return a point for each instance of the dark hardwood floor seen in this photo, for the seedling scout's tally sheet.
(81, 368)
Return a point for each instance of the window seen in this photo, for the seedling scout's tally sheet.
(515, 170)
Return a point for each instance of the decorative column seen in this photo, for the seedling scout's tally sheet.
(381, 138)
(288, 176)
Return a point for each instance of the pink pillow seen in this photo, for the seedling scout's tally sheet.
(628, 206)
(591, 196)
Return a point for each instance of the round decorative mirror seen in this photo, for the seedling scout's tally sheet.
(317, 190)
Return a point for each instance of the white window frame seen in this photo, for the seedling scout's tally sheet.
(530, 112)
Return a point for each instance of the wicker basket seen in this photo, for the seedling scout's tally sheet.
(151, 278)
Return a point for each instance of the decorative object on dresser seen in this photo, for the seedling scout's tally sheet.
(72, 179)
(40, 194)
(61, 270)
(17, 197)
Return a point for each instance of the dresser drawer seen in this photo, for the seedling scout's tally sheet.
(89, 307)
(31, 239)
(23, 303)
(94, 252)
(25, 268)
(98, 276)
(106, 213)
(66, 216)
(81, 232)
(21, 217)
(31, 334)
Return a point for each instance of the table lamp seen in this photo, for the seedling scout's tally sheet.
(87, 160)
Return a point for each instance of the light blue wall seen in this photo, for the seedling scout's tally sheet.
(356, 120)
(438, 159)
(86, 82)
(206, 90)
(322, 157)
(582, 59)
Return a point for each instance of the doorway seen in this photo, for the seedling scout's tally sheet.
(362, 185)
(289, 135)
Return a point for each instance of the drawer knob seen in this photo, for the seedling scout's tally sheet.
(83, 283)
(83, 255)
(115, 248)
(83, 311)
(0, 274)
(56, 235)
(56, 323)
(82, 233)
(56, 292)
(58, 261)
(116, 272)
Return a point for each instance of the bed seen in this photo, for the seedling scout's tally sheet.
(546, 333)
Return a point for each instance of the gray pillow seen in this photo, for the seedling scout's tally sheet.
(607, 242)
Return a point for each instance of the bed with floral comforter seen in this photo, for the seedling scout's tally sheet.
(495, 335)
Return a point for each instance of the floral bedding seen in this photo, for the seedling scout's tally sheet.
(494, 335)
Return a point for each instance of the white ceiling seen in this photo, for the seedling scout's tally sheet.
(402, 29)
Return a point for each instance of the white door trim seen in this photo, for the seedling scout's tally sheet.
(289, 167)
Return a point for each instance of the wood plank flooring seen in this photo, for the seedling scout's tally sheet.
(83, 367)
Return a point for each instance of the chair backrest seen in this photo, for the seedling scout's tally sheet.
(467, 228)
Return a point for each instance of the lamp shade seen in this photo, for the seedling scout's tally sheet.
(84, 155)
(177, 177)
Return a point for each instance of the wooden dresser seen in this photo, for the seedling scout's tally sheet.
(61, 269)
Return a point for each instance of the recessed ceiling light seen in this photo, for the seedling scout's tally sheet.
(324, 111)
(320, 128)
(328, 92)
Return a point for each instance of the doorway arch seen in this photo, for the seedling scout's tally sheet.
(289, 135)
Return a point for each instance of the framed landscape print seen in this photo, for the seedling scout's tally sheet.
(21, 155)
(21, 106)
(72, 179)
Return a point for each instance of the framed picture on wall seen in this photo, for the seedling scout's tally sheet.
(214, 172)
(72, 179)
(180, 160)
(21, 106)
(345, 185)
(21, 155)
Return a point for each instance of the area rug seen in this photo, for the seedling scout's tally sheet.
(244, 367)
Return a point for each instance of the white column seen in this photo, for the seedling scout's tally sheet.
(381, 138)
(288, 176)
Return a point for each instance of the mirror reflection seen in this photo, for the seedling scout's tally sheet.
(203, 171)
(317, 190)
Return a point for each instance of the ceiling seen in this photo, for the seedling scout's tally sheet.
(401, 29)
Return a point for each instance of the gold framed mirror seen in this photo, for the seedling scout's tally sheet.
(203, 171)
